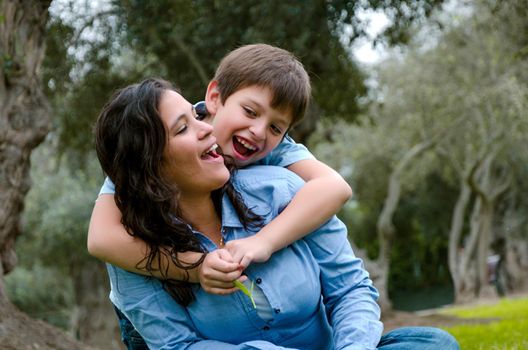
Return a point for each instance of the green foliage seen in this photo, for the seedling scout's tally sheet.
(469, 75)
(183, 35)
(183, 41)
(52, 249)
(506, 329)
(42, 293)
(58, 209)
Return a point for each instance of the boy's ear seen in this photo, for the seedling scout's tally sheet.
(212, 97)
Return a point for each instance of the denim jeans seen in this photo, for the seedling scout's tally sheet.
(129, 335)
(405, 338)
(414, 338)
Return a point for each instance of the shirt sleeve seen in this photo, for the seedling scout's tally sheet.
(348, 293)
(286, 153)
(161, 321)
(108, 187)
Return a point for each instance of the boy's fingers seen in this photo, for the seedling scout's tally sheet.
(225, 267)
(225, 255)
(246, 260)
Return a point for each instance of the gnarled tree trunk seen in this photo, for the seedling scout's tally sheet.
(24, 113)
(24, 123)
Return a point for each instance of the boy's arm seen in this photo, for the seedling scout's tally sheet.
(109, 241)
(322, 196)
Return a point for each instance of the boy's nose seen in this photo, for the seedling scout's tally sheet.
(258, 130)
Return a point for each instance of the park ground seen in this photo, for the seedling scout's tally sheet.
(487, 324)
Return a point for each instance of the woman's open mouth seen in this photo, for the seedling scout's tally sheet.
(210, 153)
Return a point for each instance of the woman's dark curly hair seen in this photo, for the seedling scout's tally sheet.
(130, 139)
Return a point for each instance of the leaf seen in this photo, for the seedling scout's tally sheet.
(244, 290)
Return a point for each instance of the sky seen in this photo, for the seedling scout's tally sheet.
(363, 50)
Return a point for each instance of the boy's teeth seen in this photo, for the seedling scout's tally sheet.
(247, 145)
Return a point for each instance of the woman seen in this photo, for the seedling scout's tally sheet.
(173, 191)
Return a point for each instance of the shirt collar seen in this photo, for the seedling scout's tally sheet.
(229, 215)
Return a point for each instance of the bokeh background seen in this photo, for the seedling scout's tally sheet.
(420, 105)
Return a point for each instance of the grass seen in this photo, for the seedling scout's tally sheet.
(504, 325)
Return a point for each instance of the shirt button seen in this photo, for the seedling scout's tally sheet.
(277, 311)
(266, 328)
(258, 280)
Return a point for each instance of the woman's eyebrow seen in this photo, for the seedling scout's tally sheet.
(176, 120)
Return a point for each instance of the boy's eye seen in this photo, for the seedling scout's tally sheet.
(251, 113)
(276, 130)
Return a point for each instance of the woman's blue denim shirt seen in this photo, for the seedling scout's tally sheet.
(320, 294)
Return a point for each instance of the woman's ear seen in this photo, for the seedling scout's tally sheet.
(212, 97)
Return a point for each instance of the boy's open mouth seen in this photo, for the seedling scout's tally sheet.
(210, 153)
(244, 147)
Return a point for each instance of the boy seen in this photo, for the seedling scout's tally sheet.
(257, 94)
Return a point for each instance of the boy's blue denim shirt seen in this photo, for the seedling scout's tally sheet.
(319, 293)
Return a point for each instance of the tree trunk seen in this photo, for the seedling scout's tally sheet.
(94, 321)
(24, 123)
(455, 234)
(385, 226)
(24, 113)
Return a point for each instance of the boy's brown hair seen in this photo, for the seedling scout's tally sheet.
(271, 67)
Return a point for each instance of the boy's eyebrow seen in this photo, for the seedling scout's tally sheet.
(283, 120)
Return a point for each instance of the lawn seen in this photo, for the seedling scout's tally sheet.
(501, 326)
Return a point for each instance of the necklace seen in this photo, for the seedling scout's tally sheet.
(221, 241)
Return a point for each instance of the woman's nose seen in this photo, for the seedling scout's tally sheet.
(204, 129)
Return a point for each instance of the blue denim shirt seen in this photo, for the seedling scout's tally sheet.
(320, 293)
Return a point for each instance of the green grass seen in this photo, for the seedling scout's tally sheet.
(506, 327)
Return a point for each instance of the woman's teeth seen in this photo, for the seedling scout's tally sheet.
(211, 152)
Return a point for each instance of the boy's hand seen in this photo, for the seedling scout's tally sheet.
(218, 271)
(249, 249)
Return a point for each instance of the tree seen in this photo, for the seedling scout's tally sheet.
(469, 85)
(24, 113)
(24, 123)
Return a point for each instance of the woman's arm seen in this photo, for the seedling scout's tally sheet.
(322, 196)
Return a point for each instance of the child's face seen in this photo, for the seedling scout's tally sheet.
(247, 128)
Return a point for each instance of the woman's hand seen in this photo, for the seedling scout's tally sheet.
(218, 271)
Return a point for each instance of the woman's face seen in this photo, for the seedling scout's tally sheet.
(189, 159)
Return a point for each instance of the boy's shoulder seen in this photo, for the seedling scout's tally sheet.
(267, 179)
(286, 153)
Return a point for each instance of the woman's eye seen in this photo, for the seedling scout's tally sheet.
(181, 129)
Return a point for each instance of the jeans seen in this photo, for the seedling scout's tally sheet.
(414, 338)
(405, 338)
(129, 336)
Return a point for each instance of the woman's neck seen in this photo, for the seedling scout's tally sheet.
(200, 212)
